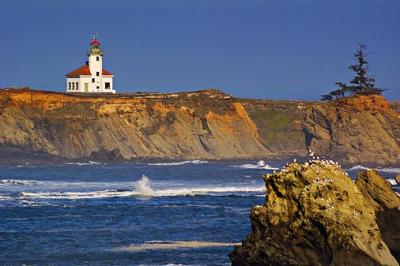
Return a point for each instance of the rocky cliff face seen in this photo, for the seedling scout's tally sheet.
(205, 124)
(315, 215)
(362, 129)
(202, 125)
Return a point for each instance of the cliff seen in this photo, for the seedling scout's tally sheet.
(315, 215)
(355, 130)
(205, 124)
(360, 129)
(208, 124)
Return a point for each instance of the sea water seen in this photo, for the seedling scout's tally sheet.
(184, 212)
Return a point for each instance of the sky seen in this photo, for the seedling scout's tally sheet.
(270, 49)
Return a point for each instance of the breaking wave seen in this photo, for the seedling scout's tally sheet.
(165, 245)
(393, 170)
(179, 163)
(389, 170)
(83, 164)
(358, 167)
(259, 165)
(141, 189)
(16, 182)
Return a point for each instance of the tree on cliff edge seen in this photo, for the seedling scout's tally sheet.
(361, 82)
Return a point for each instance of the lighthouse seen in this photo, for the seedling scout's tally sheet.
(91, 77)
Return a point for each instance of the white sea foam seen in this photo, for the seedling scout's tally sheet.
(163, 245)
(17, 182)
(85, 163)
(392, 181)
(179, 163)
(358, 167)
(23, 185)
(142, 188)
(259, 165)
(393, 170)
(389, 170)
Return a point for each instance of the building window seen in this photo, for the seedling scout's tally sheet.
(73, 85)
(97, 73)
(97, 58)
(69, 85)
(92, 80)
(77, 86)
(107, 85)
(97, 87)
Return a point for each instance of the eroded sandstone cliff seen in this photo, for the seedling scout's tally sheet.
(205, 124)
(194, 125)
(359, 129)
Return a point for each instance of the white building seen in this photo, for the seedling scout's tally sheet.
(91, 77)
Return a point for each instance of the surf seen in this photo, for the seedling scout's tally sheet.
(178, 163)
(143, 188)
(262, 165)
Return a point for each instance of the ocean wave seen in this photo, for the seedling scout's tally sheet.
(179, 163)
(259, 165)
(393, 170)
(389, 170)
(85, 163)
(17, 182)
(165, 245)
(143, 189)
(357, 167)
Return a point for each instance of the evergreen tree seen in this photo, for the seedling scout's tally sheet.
(361, 81)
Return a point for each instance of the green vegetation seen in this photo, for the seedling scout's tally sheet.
(362, 83)
(278, 123)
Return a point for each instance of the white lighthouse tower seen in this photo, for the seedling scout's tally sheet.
(91, 77)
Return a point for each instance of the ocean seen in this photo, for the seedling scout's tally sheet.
(175, 213)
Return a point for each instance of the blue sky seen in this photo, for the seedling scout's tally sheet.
(278, 49)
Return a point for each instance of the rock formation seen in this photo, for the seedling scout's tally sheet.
(386, 204)
(208, 124)
(205, 124)
(358, 129)
(314, 215)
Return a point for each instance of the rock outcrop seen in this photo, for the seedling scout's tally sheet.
(313, 215)
(359, 129)
(386, 204)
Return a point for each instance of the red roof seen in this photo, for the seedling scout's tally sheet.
(85, 71)
(94, 42)
(106, 73)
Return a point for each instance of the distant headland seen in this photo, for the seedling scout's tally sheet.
(56, 127)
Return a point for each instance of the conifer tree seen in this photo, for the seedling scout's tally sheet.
(361, 81)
